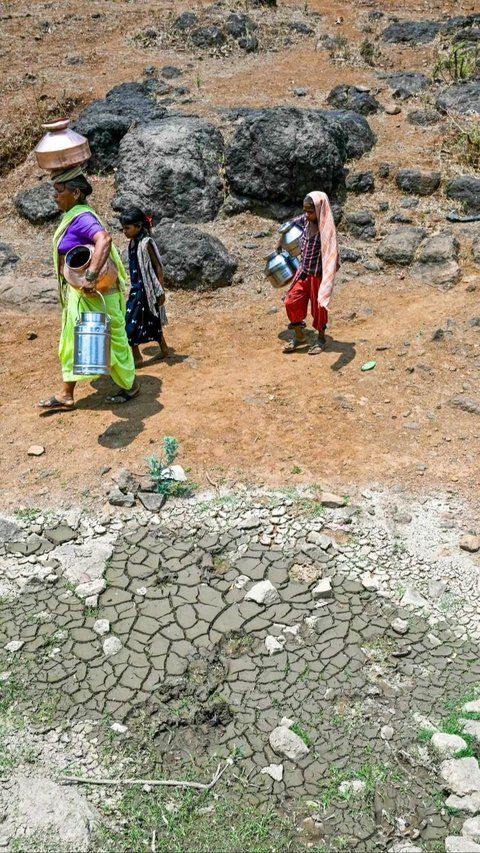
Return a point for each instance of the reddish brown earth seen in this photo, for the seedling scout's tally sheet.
(241, 410)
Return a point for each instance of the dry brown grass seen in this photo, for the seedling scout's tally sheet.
(462, 141)
(17, 138)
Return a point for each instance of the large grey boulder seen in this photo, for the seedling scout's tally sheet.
(461, 98)
(193, 260)
(37, 204)
(411, 32)
(417, 182)
(466, 190)
(461, 776)
(400, 246)
(8, 258)
(346, 97)
(280, 154)
(28, 293)
(171, 168)
(105, 122)
(436, 261)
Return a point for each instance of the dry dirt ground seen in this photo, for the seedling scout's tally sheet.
(240, 408)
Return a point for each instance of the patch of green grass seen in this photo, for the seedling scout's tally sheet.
(424, 735)
(298, 730)
(295, 470)
(40, 842)
(28, 514)
(189, 820)
(169, 488)
(370, 774)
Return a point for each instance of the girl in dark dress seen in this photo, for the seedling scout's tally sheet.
(146, 316)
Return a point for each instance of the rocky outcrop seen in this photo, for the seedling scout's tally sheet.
(193, 260)
(417, 182)
(171, 168)
(37, 204)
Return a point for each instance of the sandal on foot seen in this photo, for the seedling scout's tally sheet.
(123, 396)
(293, 345)
(52, 403)
(317, 348)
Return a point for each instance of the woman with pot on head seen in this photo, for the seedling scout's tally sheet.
(313, 282)
(79, 226)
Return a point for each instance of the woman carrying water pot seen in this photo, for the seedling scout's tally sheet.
(80, 225)
(314, 279)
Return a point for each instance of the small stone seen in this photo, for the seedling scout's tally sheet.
(404, 846)
(461, 775)
(263, 593)
(369, 582)
(356, 786)
(274, 770)
(400, 626)
(35, 450)
(472, 707)
(470, 543)
(118, 498)
(386, 732)
(413, 598)
(14, 645)
(119, 728)
(152, 501)
(471, 727)
(4, 676)
(460, 844)
(447, 745)
(273, 645)
(469, 804)
(250, 522)
(471, 828)
(101, 627)
(323, 589)
(315, 538)
(240, 581)
(95, 587)
(142, 590)
(285, 742)
(329, 499)
(111, 646)
(91, 601)
(392, 109)
(433, 640)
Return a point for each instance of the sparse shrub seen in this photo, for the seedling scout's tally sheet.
(462, 141)
(369, 52)
(462, 62)
(164, 485)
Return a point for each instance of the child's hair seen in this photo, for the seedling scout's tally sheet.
(135, 216)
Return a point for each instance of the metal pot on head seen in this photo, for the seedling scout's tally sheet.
(291, 238)
(77, 262)
(277, 270)
(61, 146)
(92, 343)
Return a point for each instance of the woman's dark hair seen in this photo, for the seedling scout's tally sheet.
(135, 216)
(81, 184)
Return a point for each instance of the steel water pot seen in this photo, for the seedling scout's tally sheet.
(61, 146)
(291, 238)
(92, 343)
(277, 270)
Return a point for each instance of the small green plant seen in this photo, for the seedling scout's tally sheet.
(369, 53)
(462, 62)
(296, 470)
(424, 735)
(301, 734)
(28, 514)
(158, 471)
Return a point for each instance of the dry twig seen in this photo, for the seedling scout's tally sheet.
(175, 783)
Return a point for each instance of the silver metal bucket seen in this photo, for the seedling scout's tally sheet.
(291, 238)
(277, 270)
(92, 343)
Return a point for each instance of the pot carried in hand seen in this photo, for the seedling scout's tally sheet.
(91, 343)
(77, 262)
(291, 238)
(278, 270)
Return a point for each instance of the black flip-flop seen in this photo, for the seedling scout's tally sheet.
(53, 403)
(123, 396)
